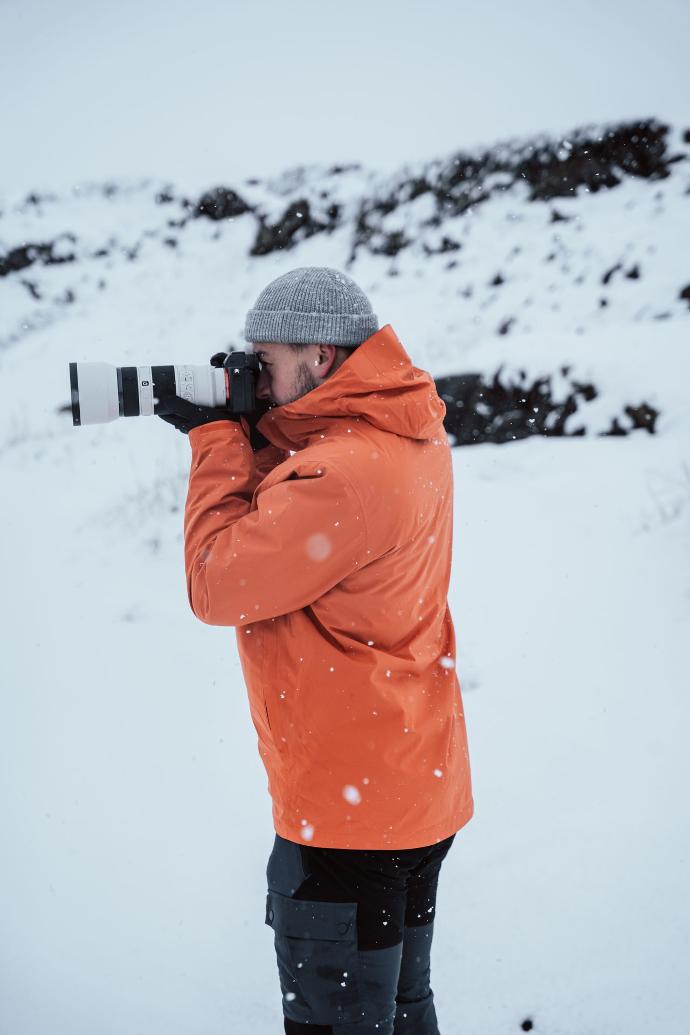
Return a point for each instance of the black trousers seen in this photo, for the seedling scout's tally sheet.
(353, 932)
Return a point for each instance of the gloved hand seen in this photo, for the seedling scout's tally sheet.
(185, 415)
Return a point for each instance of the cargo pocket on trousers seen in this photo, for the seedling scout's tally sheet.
(316, 946)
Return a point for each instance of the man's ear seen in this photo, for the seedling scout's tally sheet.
(325, 358)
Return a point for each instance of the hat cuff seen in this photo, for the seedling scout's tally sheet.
(288, 327)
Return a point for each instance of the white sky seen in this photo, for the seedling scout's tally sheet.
(210, 91)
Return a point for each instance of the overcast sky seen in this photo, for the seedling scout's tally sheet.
(210, 91)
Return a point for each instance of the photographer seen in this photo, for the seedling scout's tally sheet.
(322, 532)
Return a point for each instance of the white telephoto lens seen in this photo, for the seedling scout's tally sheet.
(101, 392)
(95, 397)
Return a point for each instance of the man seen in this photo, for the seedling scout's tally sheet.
(329, 550)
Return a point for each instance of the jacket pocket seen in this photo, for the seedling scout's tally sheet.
(316, 946)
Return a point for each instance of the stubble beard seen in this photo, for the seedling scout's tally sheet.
(304, 382)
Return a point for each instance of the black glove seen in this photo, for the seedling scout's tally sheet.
(185, 415)
(256, 439)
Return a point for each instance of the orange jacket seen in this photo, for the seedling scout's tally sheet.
(333, 563)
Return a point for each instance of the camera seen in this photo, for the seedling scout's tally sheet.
(102, 392)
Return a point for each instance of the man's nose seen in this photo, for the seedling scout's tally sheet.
(262, 391)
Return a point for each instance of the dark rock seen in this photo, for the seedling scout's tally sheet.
(587, 391)
(416, 186)
(500, 410)
(633, 273)
(594, 159)
(527, 1024)
(643, 416)
(477, 411)
(497, 281)
(446, 245)
(685, 294)
(556, 217)
(506, 325)
(389, 244)
(221, 203)
(609, 273)
(32, 289)
(27, 254)
(598, 161)
(335, 170)
(296, 223)
(615, 429)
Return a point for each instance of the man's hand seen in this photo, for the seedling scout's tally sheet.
(185, 415)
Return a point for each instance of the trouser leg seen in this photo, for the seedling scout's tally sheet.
(338, 918)
(377, 972)
(415, 1011)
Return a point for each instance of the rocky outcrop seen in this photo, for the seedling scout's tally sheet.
(504, 410)
(588, 159)
(50, 254)
(221, 203)
(296, 224)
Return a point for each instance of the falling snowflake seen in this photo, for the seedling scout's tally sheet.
(351, 794)
(318, 547)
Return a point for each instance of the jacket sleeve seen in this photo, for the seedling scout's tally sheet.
(303, 535)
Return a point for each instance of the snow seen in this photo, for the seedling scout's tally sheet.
(136, 818)
(352, 794)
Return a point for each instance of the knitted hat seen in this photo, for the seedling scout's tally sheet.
(313, 305)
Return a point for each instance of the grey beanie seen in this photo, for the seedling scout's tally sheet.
(313, 305)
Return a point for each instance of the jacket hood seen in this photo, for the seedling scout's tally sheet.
(377, 383)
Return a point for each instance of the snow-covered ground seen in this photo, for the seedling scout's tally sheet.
(136, 821)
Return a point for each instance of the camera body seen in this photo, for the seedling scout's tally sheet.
(102, 392)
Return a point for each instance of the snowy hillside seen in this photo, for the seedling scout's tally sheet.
(556, 271)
